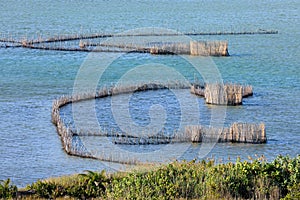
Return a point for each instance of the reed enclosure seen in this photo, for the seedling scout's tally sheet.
(207, 48)
(40, 38)
(70, 138)
(223, 94)
(87, 42)
(237, 132)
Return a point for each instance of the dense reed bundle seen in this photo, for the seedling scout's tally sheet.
(238, 132)
(194, 133)
(209, 48)
(170, 48)
(222, 94)
(248, 133)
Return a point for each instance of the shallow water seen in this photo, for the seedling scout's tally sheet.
(30, 148)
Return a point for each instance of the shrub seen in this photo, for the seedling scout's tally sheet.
(189, 180)
(7, 190)
(91, 184)
(47, 190)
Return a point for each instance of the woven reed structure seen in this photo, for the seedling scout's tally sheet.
(223, 94)
(87, 42)
(208, 48)
(194, 48)
(237, 132)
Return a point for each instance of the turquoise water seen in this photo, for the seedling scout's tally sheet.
(30, 148)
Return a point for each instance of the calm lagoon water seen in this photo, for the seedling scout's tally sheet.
(30, 148)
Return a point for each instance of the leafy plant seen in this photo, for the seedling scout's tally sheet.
(47, 189)
(93, 184)
(7, 190)
(256, 179)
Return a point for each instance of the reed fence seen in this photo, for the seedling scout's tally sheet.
(14, 38)
(71, 142)
(85, 43)
(237, 132)
(223, 94)
(207, 48)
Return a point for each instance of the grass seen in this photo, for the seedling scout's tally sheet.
(254, 179)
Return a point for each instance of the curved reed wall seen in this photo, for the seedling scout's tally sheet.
(238, 132)
(68, 136)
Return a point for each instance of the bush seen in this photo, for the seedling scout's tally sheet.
(190, 180)
(88, 185)
(91, 184)
(294, 192)
(47, 190)
(7, 190)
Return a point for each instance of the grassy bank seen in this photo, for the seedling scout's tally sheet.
(254, 179)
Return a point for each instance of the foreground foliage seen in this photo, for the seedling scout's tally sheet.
(243, 180)
(255, 179)
(7, 190)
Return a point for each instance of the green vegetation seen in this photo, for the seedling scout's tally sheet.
(7, 190)
(255, 179)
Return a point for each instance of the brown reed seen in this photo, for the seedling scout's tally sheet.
(67, 135)
(209, 48)
(238, 132)
(213, 48)
(223, 94)
(9, 38)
